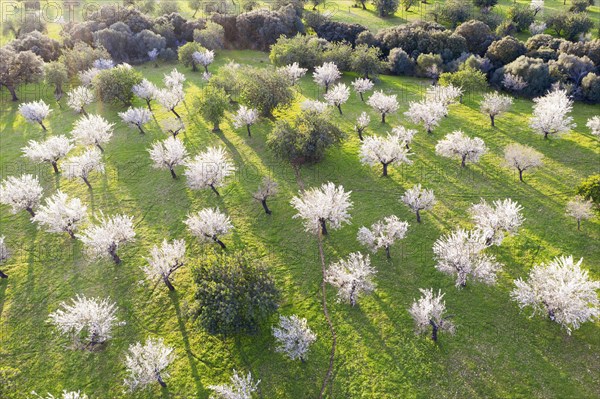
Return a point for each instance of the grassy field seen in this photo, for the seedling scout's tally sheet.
(497, 351)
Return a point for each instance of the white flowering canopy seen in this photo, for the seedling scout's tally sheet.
(522, 158)
(494, 104)
(293, 72)
(513, 82)
(146, 363)
(21, 193)
(383, 104)
(61, 214)
(241, 387)
(317, 206)
(444, 94)
(383, 233)
(168, 153)
(84, 164)
(326, 74)
(105, 238)
(35, 112)
(404, 134)
(204, 58)
(493, 221)
(209, 169)
(459, 145)
(428, 113)
(245, 117)
(390, 150)
(174, 80)
(430, 311)
(338, 95)
(418, 199)
(169, 98)
(562, 290)
(92, 130)
(136, 117)
(145, 90)
(460, 253)
(551, 114)
(594, 125)
(537, 27)
(49, 150)
(362, 85)
(4, 252)
(79, 97)
(87, 77)
(314, 105)
(87, 321)
(293, 336)
(209, 224)
(352, 277)
(580, 209)
(165, 260)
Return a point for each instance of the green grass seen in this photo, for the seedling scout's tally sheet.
(497, 351)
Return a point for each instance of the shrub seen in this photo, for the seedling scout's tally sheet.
(521, 16)
(115, 84)
(334, 31)
(589, 188)
(425, 63)
(505, 50)
(399, 63)
(340, 53)
(485, 3)
(534, 71)
(385, 8)
(477, 35)
(591, 49)
(590, 87)
(570, 25)
(81, 57)
(265, 89)
(580, 5)
(469, 79)
(454, 12)
(365, 61)
(212, 37)
(304, 50)
(570, 68)
(185, 54)
(259, 29)
(39, 44)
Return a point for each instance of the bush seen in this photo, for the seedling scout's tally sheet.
(385, 8)
(427, 63)
(339, 53)
(454, 12)
(39, 44)
(334, 31)
(234, 293)
(580, 5)
(570, 25)
(506, 28)
(536, 42)
(212, 103)
(534, 71)
(478, 36)
(114, 85)
(212, 37)
(570, 68)
(305, 50)
(591, 49)
(521, 16)
(505, 50)
(81, 57)
(259, 29)
(399, 63)
(590, 87)
(485, 3)
(185, 54)
(589, 188)
(265, 89)
(365, 61)
(471, 80)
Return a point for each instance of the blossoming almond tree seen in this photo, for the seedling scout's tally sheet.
(361, 86)
(136, 117)
(594, 125)
(383, 104)
(362, 122)
(267, 189)
(105, 238)
(293, 72)
(580, 209)
(35, 112)
(168, 154)
(241, 387)
(459, 145)
(145, 90)
(562, 290)
(494, 104)
(245, 117)
(164, 261)
(551, 114)
(322, 205)
(169, 99)
(50, 150)
(314, 105)
(92, 130)
(84, 164)
(404, 134)
(390, 150)
(209, 225)
(173, 126)
(418, 199)
(146, 363)
(326, 74)
(209, 169)
(352, 277)
(445, 94)
(21, 193)
(79, 98)
(294, 337)
(4, 255)
(338, 95)
(522, 158)
(430, 310)
(174, 80)
(61, 214)
(204, 58)
(493, 221)
(426, 113)
(383, 234)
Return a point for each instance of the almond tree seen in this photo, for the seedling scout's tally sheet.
(404, 134)
(430, 310)
(164, 261)
(293, 72)
(461, 253)
(383, 104)
(459, 145)
(88, 322)
(446, 95)
(168, 154)
(209, 225)
(294, 337)
(493, 221)
(426, 113)
(145, 90)
(522, 158)
(383, 234)
(267, 189)
(147, 363)
(209, 169)
(326, 74)
(92, 130)
(513, 82)
(4, 255)
(204, 58)
(352, 277)
(50, 150)
(61, 214)
(494, 104)
(65, 395)
(551, 114)
(35, 112)
(21, 193)
(245, 117)
(241, 388)
(173, 126)
(169, 99)
(594, 125)
(104, 239)
(580, 209)
(390, 150)
(418, 199)
(339, 94)
(84, 164)
(317, 206)
(562, 290)
(314, 105)
(361, 86)
(136, 117)
(362, 122)
(79, 98)
(174, 80)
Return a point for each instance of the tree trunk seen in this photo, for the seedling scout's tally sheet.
(545, 135)
(387, 252)
(418, 216)
(361, 97)
(216, 127)
(360, 132)
(160, 380)
(31, 212)
(206, 68)
(176, 114)
(492, 120)
(2, 275)
(84, 112)
(383, 117)
(326, 87)
(434, 331)
(55, 167)
(463, 162)
(194, 68)
(168, 283)
(13, 93)
(113, 254)
(141, 130)
(265, 207)
(42, 125)
(148, 104)
(71, 233)
(578, 224)
(323, 226)
(173, 175)
(214, 189)
(385, 166)
(86, 182)
(248, 128)
(353, 294)
(364, 6)
(216, 239)
(429, 130)
(521, 174)
(100, 147)
(339, 107)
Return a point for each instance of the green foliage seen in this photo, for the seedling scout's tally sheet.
(303, 49)
(55, 73)
(228, 79)
(453, 12)
(505, 50)
(425, 62)
(265, 89)
(521, 16)
(477, 35)
(399, 63)
(580, 5)
(570, 25)
(340, 53)
(212, 104)
(234, 293)
(212, 37)
(366, 61)
(81, 57)
(589, 188)
(590, 86)
(8, 386)
(185, 53)
(114, 85)
(534, 71)
(386, 8)
(19, 68)
(485, 3)
(470, 79)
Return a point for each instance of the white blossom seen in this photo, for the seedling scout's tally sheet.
(164, 261)
(268, 188)
(84, 164)
(169, 99)
(153, 55)
(418, 199)
(352, 277)
(361, 86)
(513, 82)
(338, 95)
(326, 74)
(35, 112)
(136, 117)
(241, 388)
(536, 6)
(50, 150)
(79, 97)
(293, 336)
(21, 193)
(458, 145)
(493, 221)
(537, 27)
(168, 153)
(404, 134)
(204, 58)
(551, 114)
(104, 239)
(104, 63)
(314, 105)
(461, 253)
(362, 122)
(562, 290)
(383, 104)
(92, 130)
(430, 311)
(174, 80)
(65, 395)
(88, 322)
(245, 117)
(209, 225)
(147, 363)
(390, 150)
(61, 214)
(494, 104)
(444, 94)
(522, 158)
(426, 113)
(293, 72)
(209, 169)
(145, 90)
(87, 77)
(594, 125)
(317, 206)
(383, 233)
(580, 209)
